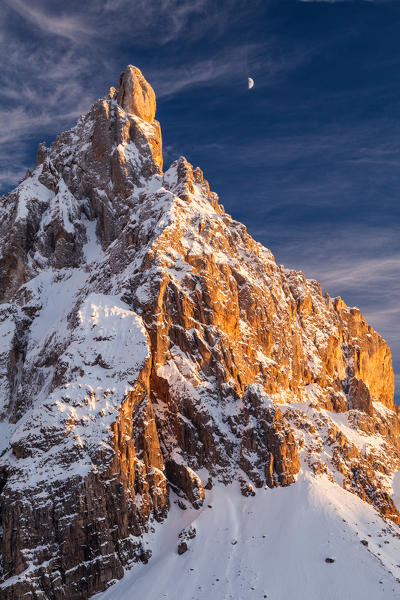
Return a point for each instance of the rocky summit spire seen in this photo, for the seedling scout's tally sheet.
(135, 94)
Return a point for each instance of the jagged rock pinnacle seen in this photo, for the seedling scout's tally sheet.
(136, 95)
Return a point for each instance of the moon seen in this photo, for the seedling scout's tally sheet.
(250, 82)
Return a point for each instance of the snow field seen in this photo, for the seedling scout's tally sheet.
(272, 545)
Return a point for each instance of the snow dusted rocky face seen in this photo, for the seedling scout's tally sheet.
(147, 339)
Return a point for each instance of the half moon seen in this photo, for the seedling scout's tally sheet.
(250, 82)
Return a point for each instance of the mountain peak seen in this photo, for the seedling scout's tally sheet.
(152, 352)
(135, 94)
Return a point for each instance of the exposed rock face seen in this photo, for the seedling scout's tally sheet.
(146, 338)
(135, 95)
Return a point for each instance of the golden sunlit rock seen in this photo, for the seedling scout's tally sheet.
(136, 95)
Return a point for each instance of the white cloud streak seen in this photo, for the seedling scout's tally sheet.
(219, 68)
(341, 1)
(70, 27)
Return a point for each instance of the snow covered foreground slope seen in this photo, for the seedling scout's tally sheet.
(272, 545)
(151, 353)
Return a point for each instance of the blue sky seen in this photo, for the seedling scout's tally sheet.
(309, 159)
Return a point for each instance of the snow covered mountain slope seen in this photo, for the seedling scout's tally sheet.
(273, 545)
(151, 350)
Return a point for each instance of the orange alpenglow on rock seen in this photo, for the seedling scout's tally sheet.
(136, 95)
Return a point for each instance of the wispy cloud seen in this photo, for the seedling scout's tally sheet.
(70, 27)
(337, 1)
(362, 272)
(8, 176)
(327, 1)
(155, 23)
(220, 67)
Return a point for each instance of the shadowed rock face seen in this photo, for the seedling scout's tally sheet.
(147, 340)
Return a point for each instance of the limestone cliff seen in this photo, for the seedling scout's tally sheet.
(148, 343)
